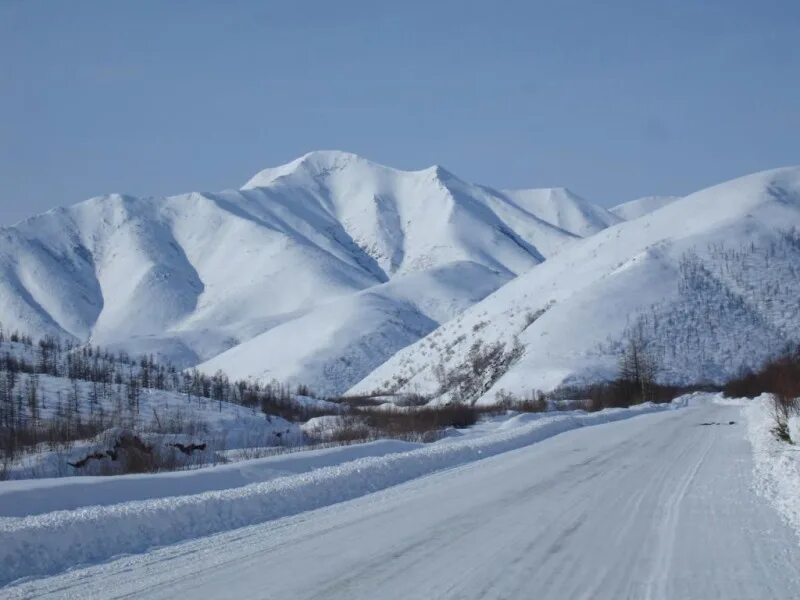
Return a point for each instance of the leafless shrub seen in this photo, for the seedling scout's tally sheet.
(780, 416)
(252, 452)
(421, 424)
(534, 402)
(779, 377)
(636, 380)
(351, 428)
(130, 454)
(785, 383)
(277, 399)
(612, 394)
(5, 466)
(357, 401)
(177, 421)
(424, 423)
(412, 400)
(570, 405)
(479, 325)
(55, 434)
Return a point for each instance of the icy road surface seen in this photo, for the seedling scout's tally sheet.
(658, 506)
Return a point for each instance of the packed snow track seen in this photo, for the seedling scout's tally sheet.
(657, 506)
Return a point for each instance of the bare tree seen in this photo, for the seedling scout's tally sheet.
(638, 369)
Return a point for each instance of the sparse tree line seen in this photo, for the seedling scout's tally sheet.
(105, 390)
(726, 294)
(636, 381)
(92, 364)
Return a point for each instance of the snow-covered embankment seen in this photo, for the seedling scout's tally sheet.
(776, 464)
(26, 497)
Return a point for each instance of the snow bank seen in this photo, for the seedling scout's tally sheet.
(48, 543)
(776, 464)
(36, 496)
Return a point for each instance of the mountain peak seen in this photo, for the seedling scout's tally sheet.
(329, 158)
(313, 163)
(323, 162)
(438, 172)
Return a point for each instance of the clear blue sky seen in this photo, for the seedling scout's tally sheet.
(612, 99)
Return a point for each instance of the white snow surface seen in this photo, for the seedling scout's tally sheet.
(699, 275)
(641, 206)
(193, 275)
(43, 544)
(656, 507)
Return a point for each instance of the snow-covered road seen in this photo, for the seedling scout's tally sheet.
(658, 506)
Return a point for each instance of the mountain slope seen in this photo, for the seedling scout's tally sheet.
(199, 267)
(335, 345)
(194, 275)
(698, 276)
(641, 206)
(563, 209)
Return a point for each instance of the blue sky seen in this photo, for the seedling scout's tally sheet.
(612, 99)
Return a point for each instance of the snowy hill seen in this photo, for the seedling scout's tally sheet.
(195, 275)
(711, 280)
(641, 206)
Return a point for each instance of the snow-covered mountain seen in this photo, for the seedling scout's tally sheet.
(315, 270)
(641, 206)
(710, 281)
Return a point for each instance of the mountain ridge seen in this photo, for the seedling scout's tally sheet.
(639, 207)
(191, 276)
